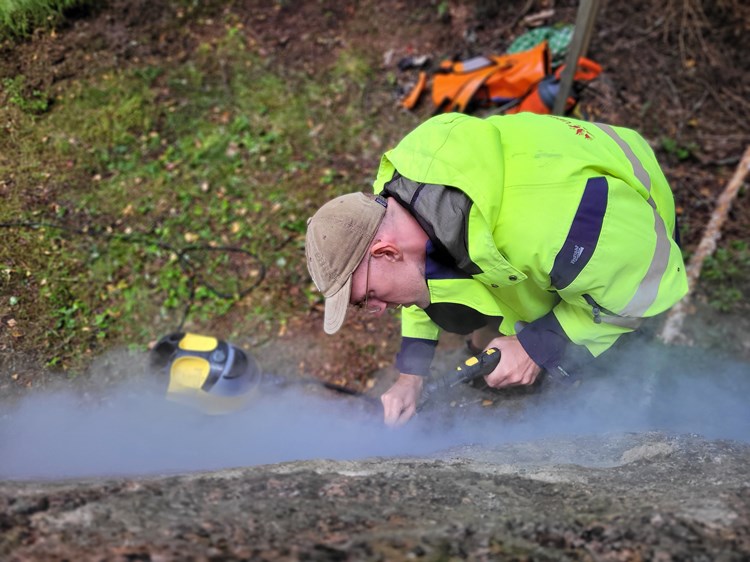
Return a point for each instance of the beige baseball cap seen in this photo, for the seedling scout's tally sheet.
(338, 236)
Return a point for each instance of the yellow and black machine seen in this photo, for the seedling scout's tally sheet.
(206, 373)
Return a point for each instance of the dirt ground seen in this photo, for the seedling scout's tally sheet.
(676, 71)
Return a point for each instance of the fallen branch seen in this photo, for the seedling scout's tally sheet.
(671, 331)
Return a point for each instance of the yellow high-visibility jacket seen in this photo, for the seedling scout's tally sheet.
(565, 226)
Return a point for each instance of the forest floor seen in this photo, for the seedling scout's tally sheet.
(677, 72)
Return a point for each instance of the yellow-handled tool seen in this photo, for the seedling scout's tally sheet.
(474, 367)
(477, 366)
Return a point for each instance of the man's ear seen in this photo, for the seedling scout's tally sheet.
(389, 250)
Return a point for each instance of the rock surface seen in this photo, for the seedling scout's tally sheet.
(627, 496)
(646, 462)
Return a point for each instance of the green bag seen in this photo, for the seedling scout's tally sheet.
(558, 38)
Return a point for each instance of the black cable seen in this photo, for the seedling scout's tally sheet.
(193, 276)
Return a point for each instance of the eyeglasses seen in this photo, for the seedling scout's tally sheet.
(362, 304)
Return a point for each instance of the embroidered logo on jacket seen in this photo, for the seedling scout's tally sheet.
(577, 251)
(580, 130)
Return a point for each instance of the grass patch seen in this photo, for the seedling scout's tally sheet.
(147, 174)
(727, 272)
(19, 18)
(35, 102)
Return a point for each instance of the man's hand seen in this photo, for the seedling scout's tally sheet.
(515, 368)
(400, 401)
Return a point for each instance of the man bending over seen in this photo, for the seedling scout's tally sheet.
(560, 232)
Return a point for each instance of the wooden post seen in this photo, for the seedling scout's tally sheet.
(585, 18)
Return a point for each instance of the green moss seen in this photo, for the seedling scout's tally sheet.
(139, 163)
(727, 272)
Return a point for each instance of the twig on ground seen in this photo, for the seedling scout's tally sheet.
(721, 104)
(689, 21)
(671, 331)
(525, 10)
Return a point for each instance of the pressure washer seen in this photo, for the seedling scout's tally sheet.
(216, 377)
(204, 372)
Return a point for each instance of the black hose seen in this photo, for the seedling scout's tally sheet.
(183, 256)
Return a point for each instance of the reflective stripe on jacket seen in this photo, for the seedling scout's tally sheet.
(562, 224)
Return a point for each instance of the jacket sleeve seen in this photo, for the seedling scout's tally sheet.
(549, 345)
(419, 338)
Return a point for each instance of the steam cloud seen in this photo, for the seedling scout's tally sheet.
(135, 431)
